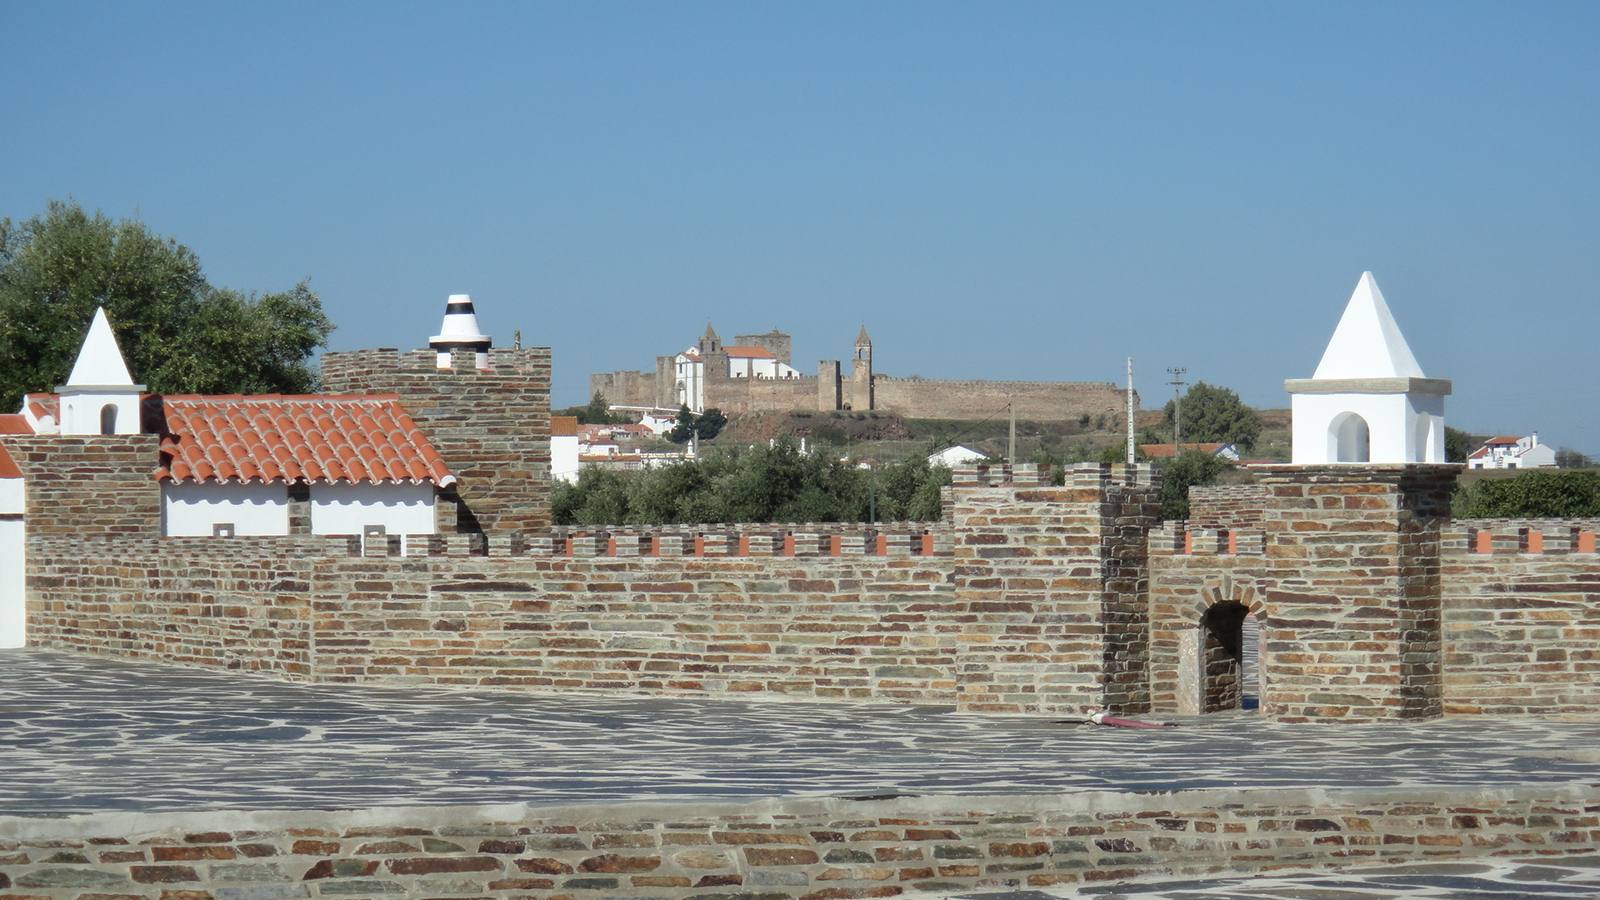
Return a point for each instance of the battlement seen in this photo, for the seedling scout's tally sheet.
(1526, 536)
(1190, 539)
(1076, 475)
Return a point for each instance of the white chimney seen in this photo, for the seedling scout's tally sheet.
(460, 330)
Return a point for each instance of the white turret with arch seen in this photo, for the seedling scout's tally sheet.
(100, 396)
(1368, 401)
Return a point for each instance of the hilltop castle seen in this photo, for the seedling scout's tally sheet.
(756, 374)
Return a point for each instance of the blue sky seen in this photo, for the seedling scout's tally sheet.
(996, 190)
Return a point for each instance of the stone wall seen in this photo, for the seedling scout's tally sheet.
(807, 849)
(492, 426)
(237, 603)
(1521, 617)
(1044, 401)
(1235, 507)
(92, 485)
(624, 388)
(745, 395)
(1021, 605)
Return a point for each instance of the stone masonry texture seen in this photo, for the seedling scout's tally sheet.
(99, 485)
(492, 426)
(802, 849)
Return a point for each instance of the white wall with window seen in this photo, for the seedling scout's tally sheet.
(197, 509)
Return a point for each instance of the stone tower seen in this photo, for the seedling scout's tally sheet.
(861, 396)
(1368, 401)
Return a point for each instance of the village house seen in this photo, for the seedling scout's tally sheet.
(1512, 452)
(1219, 449)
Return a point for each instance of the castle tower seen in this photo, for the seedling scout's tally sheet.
(861, 394)
(1368, 401)
(460, 331)
(100, 396)
(709, 342)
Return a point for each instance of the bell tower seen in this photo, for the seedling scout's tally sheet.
(861, 393)
(100, 396)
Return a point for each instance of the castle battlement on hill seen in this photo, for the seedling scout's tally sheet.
(710, 375)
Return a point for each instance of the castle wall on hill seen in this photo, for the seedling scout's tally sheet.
(1046, 401)
(492, 426)
(624, 388)
(748, 395)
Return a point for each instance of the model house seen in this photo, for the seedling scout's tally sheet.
(1512, 452)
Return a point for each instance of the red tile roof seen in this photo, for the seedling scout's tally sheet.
(43, 405)
(1167, 451)
(8, 468)
(271, 437)
(15, 423)
(563, 426)
(1502, 439)
(749, 352)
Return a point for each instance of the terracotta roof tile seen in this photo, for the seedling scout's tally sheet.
(271, 437)
(563, 426)
(749, 352)
(8, 467)
(1502, 439)
(15, 423)
(1167, 451)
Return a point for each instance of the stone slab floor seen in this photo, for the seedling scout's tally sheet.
(82, 734)
(1574, 877)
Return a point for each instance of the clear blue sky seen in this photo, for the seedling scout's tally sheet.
(996, 190)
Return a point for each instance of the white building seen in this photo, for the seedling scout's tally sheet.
(950, 457)
(689, 370)
(1512, 452)
(564, 448)
(1368, 401)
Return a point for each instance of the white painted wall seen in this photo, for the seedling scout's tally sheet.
(80, 411)
(348, 508)
(1402, 428)
(189, 509)
(13, 558)
(564, 458)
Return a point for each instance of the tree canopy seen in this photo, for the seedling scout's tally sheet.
(1212, 413)
(759, 484)
(178, 332)
(1189, 468)
(596, 412)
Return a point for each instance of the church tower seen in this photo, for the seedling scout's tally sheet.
(1368, 401)
(100, 396)
(861, 393)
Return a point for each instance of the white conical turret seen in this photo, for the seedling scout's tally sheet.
(1368, 401)
(460, 329)
(100, 396)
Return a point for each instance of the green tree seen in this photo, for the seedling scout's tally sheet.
(178, 333)
(683, 428)
(1458, 444)
(1178, 475)
(1213, 413)
(596, 412)
(710, 423)
(1568, 458)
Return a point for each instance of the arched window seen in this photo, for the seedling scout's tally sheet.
(1348, 439)
(108, 419)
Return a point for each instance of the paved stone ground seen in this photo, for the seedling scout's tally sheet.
(1532, 877)
(80, 734)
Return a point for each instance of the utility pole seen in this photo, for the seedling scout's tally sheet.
(1130, 410)
(1011, 450)
(1177, 383)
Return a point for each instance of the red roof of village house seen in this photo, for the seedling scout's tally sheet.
(1502, 439)
(273, 437)
(563, 426)
(15, 423)
(8, 468)
(749, 352)
(1167, 451)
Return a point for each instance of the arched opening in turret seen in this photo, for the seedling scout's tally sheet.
(1349, 441)
(108, 419)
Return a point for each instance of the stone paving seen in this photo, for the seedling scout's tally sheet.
(81, 734)
(1520, 878)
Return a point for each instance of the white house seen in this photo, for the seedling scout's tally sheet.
(950, 457)
(689, 370)
(1512, 452)
(564, 448)
(13, 543)
(1368, 401)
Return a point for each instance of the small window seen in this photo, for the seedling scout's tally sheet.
(108, 419)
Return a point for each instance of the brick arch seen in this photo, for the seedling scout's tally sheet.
(1224, 591)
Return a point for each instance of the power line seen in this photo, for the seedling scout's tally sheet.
(1177, 382)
